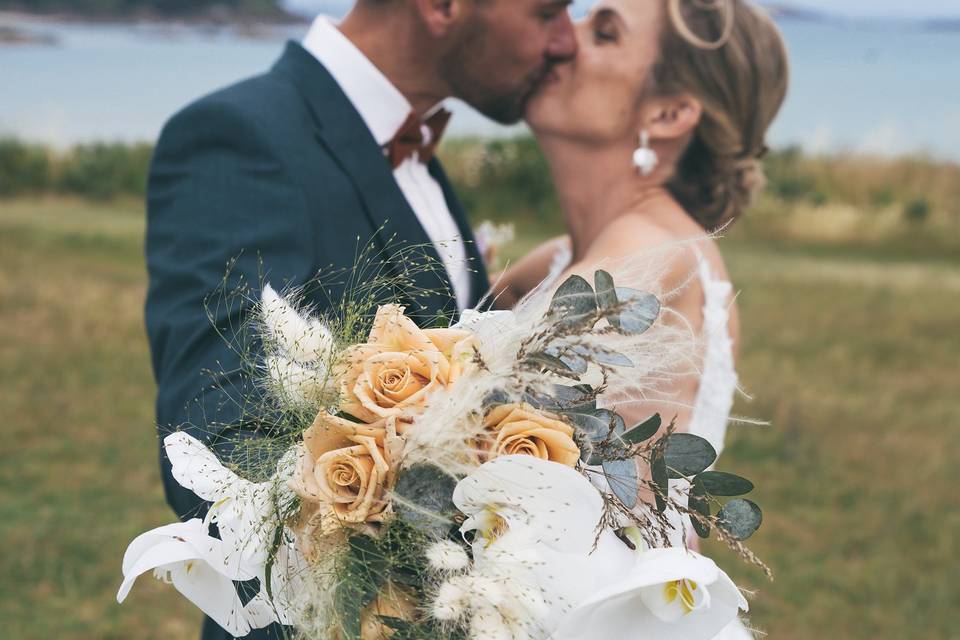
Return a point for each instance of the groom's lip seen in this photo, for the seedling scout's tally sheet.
(548, 76)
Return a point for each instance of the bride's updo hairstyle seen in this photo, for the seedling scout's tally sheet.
(730, 56)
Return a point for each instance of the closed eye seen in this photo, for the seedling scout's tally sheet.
(606, 27)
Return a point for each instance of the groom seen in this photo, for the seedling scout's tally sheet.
(287, 173)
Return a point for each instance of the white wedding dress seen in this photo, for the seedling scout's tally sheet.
(718, 381)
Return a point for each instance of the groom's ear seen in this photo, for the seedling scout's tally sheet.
(673, 117)
(440, 16)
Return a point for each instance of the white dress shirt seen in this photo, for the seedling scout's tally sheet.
(384, 110)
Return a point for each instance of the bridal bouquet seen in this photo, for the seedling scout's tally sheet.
(478, 481)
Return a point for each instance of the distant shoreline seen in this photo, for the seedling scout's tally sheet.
(214, 17)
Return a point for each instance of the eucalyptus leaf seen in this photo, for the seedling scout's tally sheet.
(574, 301)
(573, 360)
(720, 483)
(423, 498)
(740, 518)
(551, 363)
(607, 296)
(640, 310)
(660, 479)
(495, 398)
(622, 478)
(643, 431)
(596, 424)
(605, 356)
(563, 398)
(698, 502)
(687, 454)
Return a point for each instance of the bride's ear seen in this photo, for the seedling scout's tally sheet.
(673, 117)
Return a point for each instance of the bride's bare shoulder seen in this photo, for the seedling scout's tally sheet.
(632, 234)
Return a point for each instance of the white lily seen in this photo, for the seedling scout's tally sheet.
(204, 568)
(536, 523)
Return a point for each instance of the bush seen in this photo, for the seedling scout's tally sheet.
(502, 179)
(102, 171)
(24, 169)
(917, 211)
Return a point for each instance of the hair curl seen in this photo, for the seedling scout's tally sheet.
(730, 56)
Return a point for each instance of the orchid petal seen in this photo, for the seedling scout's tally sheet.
(194, 563)
(556, 501)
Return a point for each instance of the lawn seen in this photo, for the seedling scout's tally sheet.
(850, 353)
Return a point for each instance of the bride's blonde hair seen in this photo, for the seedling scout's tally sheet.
(730, 56)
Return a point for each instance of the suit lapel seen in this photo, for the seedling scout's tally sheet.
(346, 137)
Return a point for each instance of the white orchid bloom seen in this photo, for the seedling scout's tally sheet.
(536, 525)
(667, 593)
(184, 555)
(204, 568)
(244, 511)
(300, 351)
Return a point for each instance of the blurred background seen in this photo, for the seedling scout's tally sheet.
(848, 266)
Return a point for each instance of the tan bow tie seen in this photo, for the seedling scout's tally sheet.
(417, 137)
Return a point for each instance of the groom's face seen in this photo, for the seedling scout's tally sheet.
(505, 50)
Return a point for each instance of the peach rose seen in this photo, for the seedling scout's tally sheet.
(343, 475)
(396, 370)
(519, 429)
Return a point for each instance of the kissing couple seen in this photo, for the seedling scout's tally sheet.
(652, 115)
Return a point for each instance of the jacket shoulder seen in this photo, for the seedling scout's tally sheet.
(264, 100)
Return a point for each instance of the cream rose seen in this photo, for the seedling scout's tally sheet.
(519, 429)
(396, 370)
(343, 475)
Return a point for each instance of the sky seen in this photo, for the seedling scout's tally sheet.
(885, 8)
(853, 8)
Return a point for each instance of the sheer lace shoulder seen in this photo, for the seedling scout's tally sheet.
(718, 382)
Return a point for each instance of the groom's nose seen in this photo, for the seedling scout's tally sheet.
(563, 41)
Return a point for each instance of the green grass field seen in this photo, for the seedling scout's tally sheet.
(850, 352)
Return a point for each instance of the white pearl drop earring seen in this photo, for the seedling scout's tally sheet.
(644, 158)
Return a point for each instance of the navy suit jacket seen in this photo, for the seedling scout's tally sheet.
(271, 179)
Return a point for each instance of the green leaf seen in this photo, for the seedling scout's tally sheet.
(698, 502)
(740, 518)
(596, 424)
(574, 361)
(687, 454)
(607, 297)
(604, 356)
(660, 479)
(640, 310)
(423, 497)
(362, 576)
(574, 301)
(576, 399)
(643, 431)
(720, 483)
(622, 478)
(551, 363)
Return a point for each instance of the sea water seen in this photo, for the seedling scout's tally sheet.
(884, 88)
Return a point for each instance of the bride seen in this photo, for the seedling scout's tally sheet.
(696, 83)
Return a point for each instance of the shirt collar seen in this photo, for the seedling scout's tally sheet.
(381, 105)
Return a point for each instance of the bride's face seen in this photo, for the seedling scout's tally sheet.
(596, 97)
